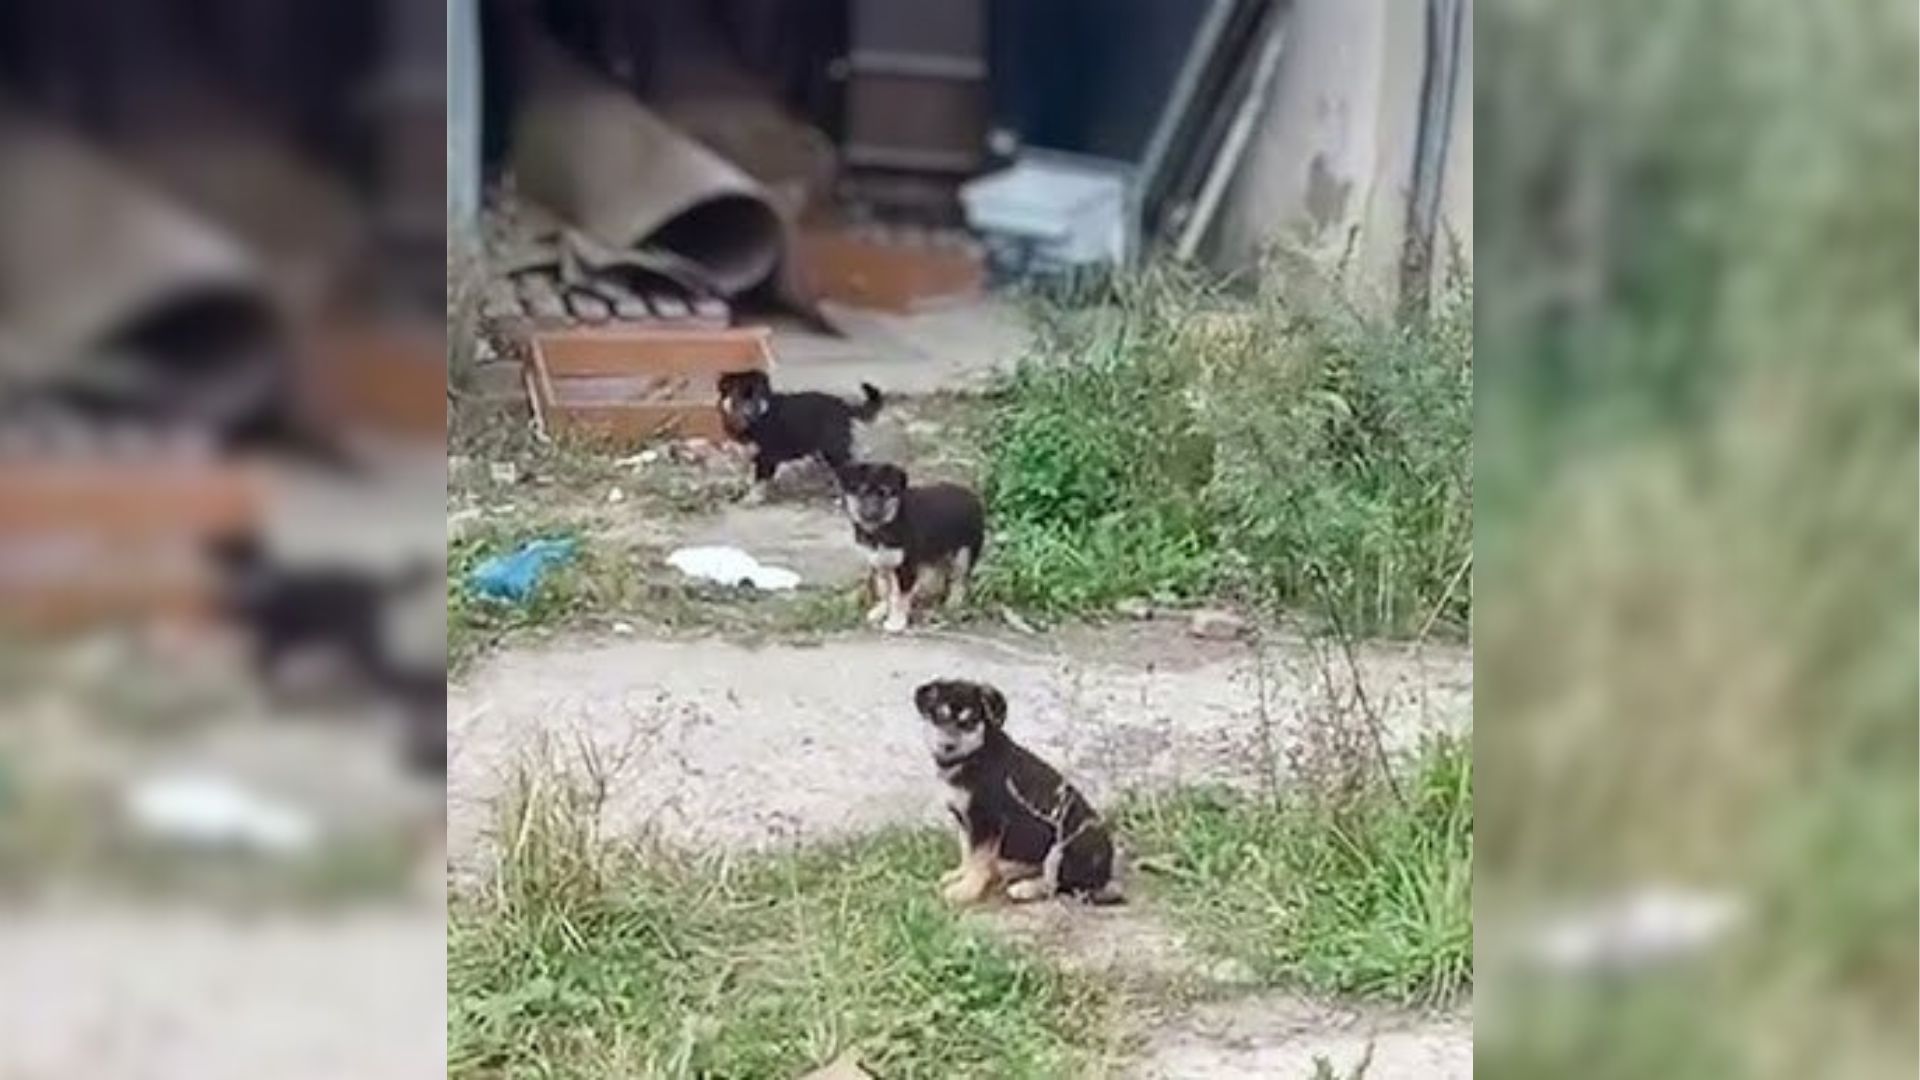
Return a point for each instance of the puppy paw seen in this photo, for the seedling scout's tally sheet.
(964, 891)
(876, 613)
(1026, 892)
(896, 623)
(755, 495)
(952, 876)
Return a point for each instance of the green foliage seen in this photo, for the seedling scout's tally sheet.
(1182, 443)
(1368, 894)
(588, 960)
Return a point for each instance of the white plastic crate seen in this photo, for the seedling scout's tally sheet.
(1055, 210)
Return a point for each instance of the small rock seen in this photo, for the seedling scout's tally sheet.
(1014, 620)
(845, 1067)
(504, 473)
(623, 628)
(1639, 929)
(1135, 608)
(1215, 625)
(615, 495)
(460, 522)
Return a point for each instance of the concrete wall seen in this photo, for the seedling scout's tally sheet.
(1329, 169)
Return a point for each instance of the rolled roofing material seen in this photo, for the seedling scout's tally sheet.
(88, 257)
(587, 150)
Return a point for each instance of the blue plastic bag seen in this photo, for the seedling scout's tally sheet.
(512, 577)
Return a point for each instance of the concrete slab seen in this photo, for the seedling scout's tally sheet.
(953, 349)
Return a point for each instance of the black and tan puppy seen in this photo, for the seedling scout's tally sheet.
(789, 427)
(288, 609)
(910, 533)
(1021, 824)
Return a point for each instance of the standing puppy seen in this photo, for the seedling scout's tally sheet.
(907, 531)
(1020, 823)
(788, 427)
(288, 609)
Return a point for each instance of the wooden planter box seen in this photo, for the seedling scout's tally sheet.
(384, 378)
(87, 541)
(633, 385)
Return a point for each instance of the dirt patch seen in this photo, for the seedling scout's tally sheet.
(712, 742)
(1129, 944)
(1278, 1037)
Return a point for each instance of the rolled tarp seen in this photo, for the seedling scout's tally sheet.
(610, 168)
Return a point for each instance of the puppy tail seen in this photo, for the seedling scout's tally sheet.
(869, 408)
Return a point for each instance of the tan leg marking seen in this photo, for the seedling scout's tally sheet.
(959, 572)
(1030, 889)
(966, 851)
(899, 605)
(976, 876)
(1011, 870)
(879, 587)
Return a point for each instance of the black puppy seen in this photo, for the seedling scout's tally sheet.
(907, 531)
(1020, 822)
(419, 694)
(788, 427)
(288, 609)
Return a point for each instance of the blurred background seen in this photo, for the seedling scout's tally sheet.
(222, 412)
(1694, 535)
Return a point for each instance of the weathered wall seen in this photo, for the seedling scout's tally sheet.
(1329, 170)
(463, 112)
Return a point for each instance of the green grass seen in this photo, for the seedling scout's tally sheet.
(591, 960)
(1183, 443)
(1696, 453)
(1367, 895)
(585, 956)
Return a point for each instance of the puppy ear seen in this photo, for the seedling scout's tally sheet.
(925, 696)
(995, 704)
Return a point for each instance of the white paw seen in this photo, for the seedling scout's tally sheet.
(952, 876)
(876, 613)
(896, 622)
(1025, 892)
(964, 891)
(755, 495)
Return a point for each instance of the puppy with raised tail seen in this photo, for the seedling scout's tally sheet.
(911, 534)
(788, 427)
(1021, 825)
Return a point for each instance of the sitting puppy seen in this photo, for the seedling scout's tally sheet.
(788, 427)
(340, 609)
(907, 531)
(1020, 823)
